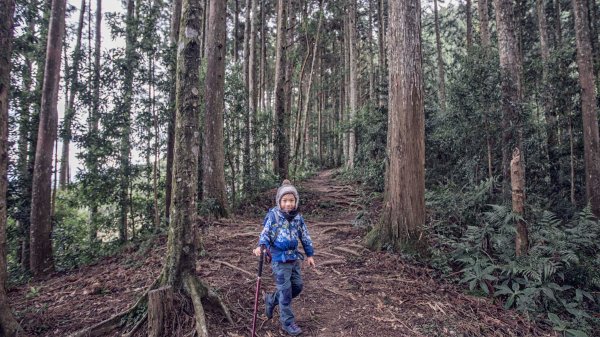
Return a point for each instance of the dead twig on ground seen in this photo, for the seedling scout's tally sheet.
(234, 267)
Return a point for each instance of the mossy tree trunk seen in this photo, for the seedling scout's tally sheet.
(174, 34)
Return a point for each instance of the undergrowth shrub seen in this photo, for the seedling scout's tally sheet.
(557, 282)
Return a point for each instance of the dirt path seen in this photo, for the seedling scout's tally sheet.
(352, 292)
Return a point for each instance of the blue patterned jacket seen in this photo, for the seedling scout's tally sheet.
(282, 237)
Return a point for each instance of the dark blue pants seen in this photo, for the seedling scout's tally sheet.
(289, 285)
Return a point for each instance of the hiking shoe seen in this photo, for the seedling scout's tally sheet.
(269, 305)
(292, 329)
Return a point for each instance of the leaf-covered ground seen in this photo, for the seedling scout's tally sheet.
(352, 292)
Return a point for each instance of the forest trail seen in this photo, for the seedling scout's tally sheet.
(352, 292)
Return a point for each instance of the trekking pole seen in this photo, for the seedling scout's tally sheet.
(260, 267)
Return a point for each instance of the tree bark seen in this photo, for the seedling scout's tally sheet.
(517, 179)
(249, 150)
(41, 259)
(382, 54)
(484, 32)
(70, 112)
(160, 308)
(281, 139)
(591, 140)
(8, 324)
(353, 82)
(181, 244)
(173, 36)
(546, 96)
(468, 9)
(236, 23)
(125, 111)
(403, 214)
(440, 60)
(92, 163)
(371, 55)
(214, 156)
(512, 93)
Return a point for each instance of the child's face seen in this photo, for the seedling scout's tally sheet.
(287, 203)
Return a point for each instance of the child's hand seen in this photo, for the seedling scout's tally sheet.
(310, 261)
(256, 251)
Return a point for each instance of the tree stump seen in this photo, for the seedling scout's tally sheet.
(160, 307)
(517, 180)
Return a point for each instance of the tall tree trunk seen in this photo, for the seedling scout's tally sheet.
(512, 93)
(557, 23)
(8, 324)
(484, 32)
(247, 175)
(382, 54)
(594, 17)
(187, 145)
(214, 156)
(281, 139)
(94, 118)
(353, 82)
(70, 112)
(468, 9)
(156, 170)
(250, 72)
(23, 173)
(295, 142)
(41, 259)
(547, 99)
(263, 59)
(371, 56)
(34, 101)
(591, 139)
(236, 23)
(440, 61)
(403, 215)
(310, 79)
(125, 111)
(180, 263)
(173, 37)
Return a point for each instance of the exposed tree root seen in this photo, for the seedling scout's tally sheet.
(104, 327)
(198, 290)
(332, 224)
(330, 229)
(347, 250)
(331, 262)
(322, 252)
(194, 288)
(237, 235)
(137, 326)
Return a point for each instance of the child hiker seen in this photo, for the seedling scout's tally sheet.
(283, 229)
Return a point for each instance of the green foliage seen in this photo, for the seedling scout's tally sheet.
(70, 233)
(558, 276)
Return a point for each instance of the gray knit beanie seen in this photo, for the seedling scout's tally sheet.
(287, 188)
